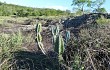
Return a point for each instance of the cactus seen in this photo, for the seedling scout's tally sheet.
(59, 45)
(38, 28)
(55, 30)
(58, 42)
(55, 33)
(67, 36)
(39, 38)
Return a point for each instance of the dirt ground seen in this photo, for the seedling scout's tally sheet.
(29, 29)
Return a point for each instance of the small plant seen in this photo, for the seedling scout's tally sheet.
(9, 43)
(103, 20)
(39, 38)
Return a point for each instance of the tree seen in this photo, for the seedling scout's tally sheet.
(100, 10)
(96, 6)
(22, 11)
(1, 3)
(80, 4)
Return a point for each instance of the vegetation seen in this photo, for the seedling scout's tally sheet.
(92, 5)
(80, 4)
(102, 20)
(58, 42)
(96, 6)
(39, 38)
(10, 41)
(8, 44)
(22, 11)
(86, 47)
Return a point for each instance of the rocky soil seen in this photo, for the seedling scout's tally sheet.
(74, 24)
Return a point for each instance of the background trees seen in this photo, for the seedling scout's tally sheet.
(97, 6)
(79, 4)
(92, 5)
(22, 11)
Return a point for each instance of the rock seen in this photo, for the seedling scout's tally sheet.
(84, 19)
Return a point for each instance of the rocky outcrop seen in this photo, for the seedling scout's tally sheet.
(84, 19)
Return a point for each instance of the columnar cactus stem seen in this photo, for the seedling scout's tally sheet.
(59, 45)
(55, 33)
(58, 42)
(67, 36)
(39, 38)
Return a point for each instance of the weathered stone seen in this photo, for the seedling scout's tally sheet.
(84, 19)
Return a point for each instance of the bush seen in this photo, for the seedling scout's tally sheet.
(9, 43)
(90, 50)
(103, 20)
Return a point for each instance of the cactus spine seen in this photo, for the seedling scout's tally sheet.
(39, 38)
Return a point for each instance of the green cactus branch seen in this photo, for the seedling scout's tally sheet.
(39, 38)
(58, 42)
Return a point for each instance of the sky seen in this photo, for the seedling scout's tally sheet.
(55, 4)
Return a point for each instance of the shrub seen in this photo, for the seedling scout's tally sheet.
(103, 20)
(90, 50)
(10, 43)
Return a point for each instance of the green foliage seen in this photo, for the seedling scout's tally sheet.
(39, 37)
(93, 5)
(96, 6)
(103, 20)
(80, 4)
(10, 43)
(22, 11)
(0, 3)
(101, 10)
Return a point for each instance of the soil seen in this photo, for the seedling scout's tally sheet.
(27, 28)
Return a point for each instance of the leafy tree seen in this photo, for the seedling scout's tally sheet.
(80, 4)
(37, 13)
(1, 3)
(101, 10)
(96, 6)
(22, 13)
